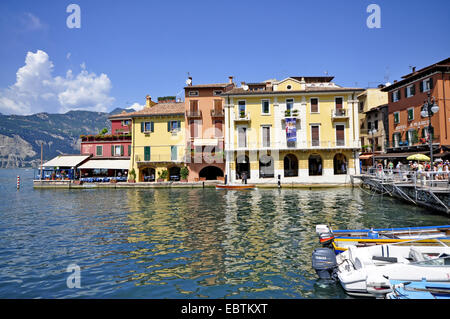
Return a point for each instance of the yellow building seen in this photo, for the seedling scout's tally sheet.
(158, 141)
(297, 130)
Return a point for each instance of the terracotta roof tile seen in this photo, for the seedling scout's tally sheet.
(171, 108)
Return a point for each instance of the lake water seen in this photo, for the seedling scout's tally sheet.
(178, 243)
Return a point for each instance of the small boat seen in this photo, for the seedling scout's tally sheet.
(340, 240)
(235, 186)
(366, 271)
(419, 290)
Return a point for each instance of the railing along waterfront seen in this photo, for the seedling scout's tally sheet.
(431, 179)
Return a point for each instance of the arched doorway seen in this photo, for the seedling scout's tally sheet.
(149, 174)
(210, 172)
(242, 166)
(290, 165)
(340, 164)
(315, 165)
(266, 166)
(174, 173)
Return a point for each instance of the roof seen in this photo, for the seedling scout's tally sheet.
(313, 79)
(443, 65)
(66, 161)
(106, 164)
(376, 108)
(122, 115)
(241, 91)
(160, 109)
(211, 85)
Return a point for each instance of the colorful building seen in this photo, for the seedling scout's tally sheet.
(158, 141)
(297, 130)
(409, 131)
(205, 122)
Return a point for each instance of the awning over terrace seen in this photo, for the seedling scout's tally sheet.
(106, 164)
(66, 161)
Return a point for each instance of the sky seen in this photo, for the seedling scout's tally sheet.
(125, 50)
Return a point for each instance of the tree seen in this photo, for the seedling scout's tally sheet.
(104, 131)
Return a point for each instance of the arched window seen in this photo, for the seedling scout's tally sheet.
(315, 165)
(210, 172)
(290, 165)
(266, 166)
(174, 173)
(340, 164)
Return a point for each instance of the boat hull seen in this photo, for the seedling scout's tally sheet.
(236, 187)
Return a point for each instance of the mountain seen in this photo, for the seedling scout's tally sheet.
(21, 135)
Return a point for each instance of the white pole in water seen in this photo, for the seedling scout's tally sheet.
(18, 181)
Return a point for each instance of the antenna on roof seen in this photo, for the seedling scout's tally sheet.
(326, 72)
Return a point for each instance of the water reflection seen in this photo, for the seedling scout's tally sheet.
(180, 243)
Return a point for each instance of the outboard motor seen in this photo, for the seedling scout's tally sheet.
(324, 263)
(326, 239)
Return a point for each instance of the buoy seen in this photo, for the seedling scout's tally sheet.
(18, 181)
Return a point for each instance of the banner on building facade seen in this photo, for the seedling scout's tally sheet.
(291, 130)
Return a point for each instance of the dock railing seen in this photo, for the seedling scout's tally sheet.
(429, 179)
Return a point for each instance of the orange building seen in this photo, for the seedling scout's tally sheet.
(409, 131)
(205, 124)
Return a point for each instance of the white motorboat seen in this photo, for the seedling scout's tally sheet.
(366, 271)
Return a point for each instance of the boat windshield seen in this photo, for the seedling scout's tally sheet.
(443, 261)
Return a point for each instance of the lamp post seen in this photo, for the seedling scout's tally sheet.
(428, 110)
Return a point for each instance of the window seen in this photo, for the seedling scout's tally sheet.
(315, 135)
(217, 92)
(146, 153)
(410, 90)
(410, 114)
(395, 96)
(118, 150)
(340, 135)
(148, 127)
(125, 122)
(99, 150)
(193, 106)
(242, 137)
(375, 124)
(173, 126)
(129, 150)
(265, 108)
(396, 117)
(426, 85)
(266, 136)
(241, 106)
(289, 87)
(361, 106)
(338, 102)
(314, 105)
(218, 128)
(193, 93)
(194, 128)
(173, 153)
(289, 104)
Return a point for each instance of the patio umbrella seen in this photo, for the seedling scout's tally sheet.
(418, 157)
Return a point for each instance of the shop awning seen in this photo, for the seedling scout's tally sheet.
(66, 161)
(106, 164)
(365, 156)
(397, 155)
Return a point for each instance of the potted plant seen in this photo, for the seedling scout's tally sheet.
(295, 112)
(184, 172)
(132, 176)
(242, 113)
(287, 113)
(162, 175)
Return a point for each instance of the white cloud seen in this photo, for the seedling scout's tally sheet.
(136, 106)
(37, 90)
(30, 22)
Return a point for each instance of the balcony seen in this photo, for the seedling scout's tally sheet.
(242, 117)
(158, 158)
(337, 114)
(290, 114)
(194, 114)
(106, 137)
(302, 145)
(217, 113)
(419, 144)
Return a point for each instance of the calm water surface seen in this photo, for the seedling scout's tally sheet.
(178, 243)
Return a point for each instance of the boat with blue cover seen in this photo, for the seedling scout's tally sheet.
(341, 240)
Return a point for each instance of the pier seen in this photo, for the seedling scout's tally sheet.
(426, 189)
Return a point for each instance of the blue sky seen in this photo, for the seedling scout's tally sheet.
(147, 47)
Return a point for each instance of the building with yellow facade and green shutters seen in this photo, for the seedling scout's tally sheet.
(158, 141)
(300, 130)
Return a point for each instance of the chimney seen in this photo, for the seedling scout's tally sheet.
(242, 84)
(230, 80)
(190, 81)
(413, 69)
(149, 101)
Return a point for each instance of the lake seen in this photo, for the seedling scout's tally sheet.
(177, 243)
